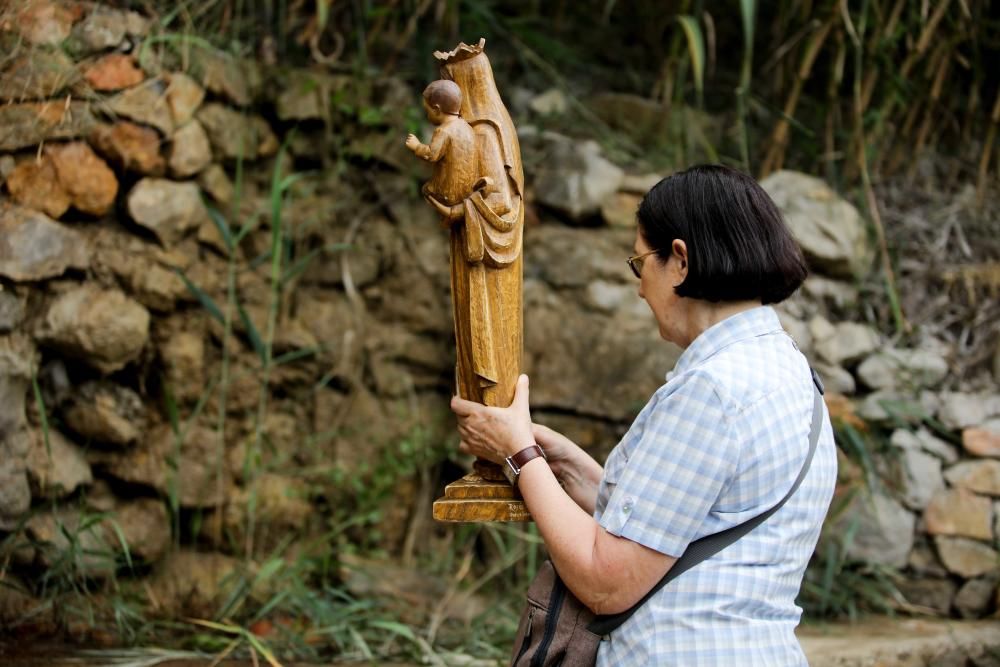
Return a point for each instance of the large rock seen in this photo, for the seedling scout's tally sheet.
(836, 379)
(149, 273)
(890, 405)
(574, 177)
(215, 182)
(183, 356)
(920, 477)
(961, 410)
(130, 146)
(883, 531)
(18, 364)
(627, 359)
(145, 103)
(103, 328)
(594, 330)
(924, 440)
(167, 208)
(82, 547)
(828, 227)
(106, 28)
(43, 21)
(34, 184)
(56, 466)
(30, 124)
(899, 641)
(983, 441)
(234, 134)
(34, 247)
(86, 178)
(978, 476)
(184, 96)
(399, 361)
(224, 75)
(565, 257)
(37, 75)
(911, 369)
(190, 151)
(618, 209)
(105, 412)
(64, 175)
(967, 558)
(11, 310)
(15, 493)
(848, 342)
(973, 601)
(197, 459)
(959, 512)
(837, 293)
(932, 594)
(332, 320)
(113, 72)
(373, 255)
(145, 528)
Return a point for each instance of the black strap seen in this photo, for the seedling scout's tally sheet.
(710, 545)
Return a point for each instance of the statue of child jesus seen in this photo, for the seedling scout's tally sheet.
(452, 148)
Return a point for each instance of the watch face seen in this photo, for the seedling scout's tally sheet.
(508, 472)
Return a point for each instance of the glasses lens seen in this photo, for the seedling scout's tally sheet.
(636, 265)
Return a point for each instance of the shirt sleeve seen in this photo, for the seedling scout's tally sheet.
(675, 470)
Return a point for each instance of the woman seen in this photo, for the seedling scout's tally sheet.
(721, 442)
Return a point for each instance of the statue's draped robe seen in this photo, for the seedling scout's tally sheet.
(486, 258)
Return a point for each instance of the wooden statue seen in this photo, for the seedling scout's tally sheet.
(478, 189)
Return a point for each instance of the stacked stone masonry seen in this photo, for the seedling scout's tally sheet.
(136, 285)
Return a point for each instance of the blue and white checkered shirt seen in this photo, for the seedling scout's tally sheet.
(721, 442)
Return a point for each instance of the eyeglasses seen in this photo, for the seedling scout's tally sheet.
(635, 263)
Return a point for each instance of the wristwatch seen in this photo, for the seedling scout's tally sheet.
(512, 469)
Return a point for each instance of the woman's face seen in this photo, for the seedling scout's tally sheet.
(656, 286)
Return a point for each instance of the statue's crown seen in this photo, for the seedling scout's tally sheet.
(461, 52)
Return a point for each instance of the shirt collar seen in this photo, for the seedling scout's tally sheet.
(744, 325)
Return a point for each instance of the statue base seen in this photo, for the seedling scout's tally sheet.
(474, 499)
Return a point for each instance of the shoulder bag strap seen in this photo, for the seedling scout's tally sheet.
(710, 545)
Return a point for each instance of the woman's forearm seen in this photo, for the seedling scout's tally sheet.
(608, 574)
(580, 477)
(579, 474)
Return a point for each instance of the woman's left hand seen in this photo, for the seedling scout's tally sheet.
(495, 433)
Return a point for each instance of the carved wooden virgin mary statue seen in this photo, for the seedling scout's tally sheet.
(478, 189)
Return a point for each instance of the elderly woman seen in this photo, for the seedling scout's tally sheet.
(720, 442)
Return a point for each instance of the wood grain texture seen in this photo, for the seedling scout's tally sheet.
(479, 195)
(475, 500)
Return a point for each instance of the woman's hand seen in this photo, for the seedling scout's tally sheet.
(495, 433)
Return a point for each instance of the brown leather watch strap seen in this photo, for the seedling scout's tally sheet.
(514, 463)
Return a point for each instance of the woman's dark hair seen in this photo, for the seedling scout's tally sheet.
(738, 246)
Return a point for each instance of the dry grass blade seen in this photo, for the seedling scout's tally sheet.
(779, 136)
(984, 161)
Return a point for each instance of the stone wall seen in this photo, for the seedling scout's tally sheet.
(136, 224)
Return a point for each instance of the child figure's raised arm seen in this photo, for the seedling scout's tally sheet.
(431, 152)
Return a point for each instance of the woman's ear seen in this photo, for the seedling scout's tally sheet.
(679, 250)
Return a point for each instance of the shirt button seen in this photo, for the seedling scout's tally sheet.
(627, 507)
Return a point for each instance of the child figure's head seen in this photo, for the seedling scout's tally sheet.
(442, 98)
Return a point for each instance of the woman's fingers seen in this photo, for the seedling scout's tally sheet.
(462, 407)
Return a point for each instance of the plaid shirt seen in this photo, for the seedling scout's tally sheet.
(721, 442)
